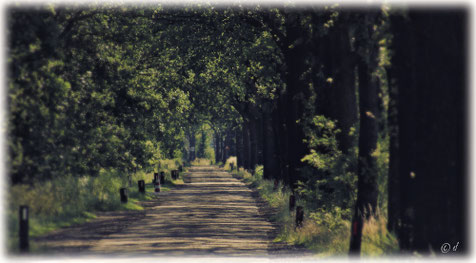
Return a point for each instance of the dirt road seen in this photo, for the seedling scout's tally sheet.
(211, 214)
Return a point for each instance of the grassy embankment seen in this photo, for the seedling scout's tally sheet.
(70, 200)
(325, 233)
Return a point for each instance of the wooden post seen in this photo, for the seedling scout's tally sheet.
(123, 192)
(299, 216)
(141, 186)
(232, 166)
(180, 168)
(276, 183)
(292, 202)
(157, 186)
(156, 177)
(23, 231)
(162, 177)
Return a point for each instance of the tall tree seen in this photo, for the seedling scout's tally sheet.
(367, 189)
(430, 70)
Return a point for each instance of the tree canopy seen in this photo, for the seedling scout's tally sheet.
(315, 95)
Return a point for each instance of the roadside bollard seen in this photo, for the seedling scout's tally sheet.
(292, 202)
(180, 168)
(156, 177)
(276, 184)
(23, 231)
(157, 186)
(299, 216)
(162, 177)
(141, 186)
(123, 192)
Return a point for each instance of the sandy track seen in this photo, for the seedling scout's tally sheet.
(212, 214)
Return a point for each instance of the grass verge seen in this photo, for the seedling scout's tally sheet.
(326, 233)
(66, 201)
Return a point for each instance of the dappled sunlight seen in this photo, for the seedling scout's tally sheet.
(214, 214)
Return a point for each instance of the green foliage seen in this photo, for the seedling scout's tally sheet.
(229, 161)
(330, 177)
(204, 138)
(81, 101)
(376, 240)
(322, 141)
(202, 145)
(331, 220)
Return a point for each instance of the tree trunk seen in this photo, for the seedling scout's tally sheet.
(259, 135)
(393, 181)
(430, 70)
(282, 139)
(295, 59)
(336, 90)
(253, 143)
(192, 140)
(246, 145)
(269, 149)
(217, 147)
(232, 135)
(367, 189)
(227, 145)
(239, 147)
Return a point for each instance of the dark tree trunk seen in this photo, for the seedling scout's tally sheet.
(269, 150)
(336, 92)
(295, 59)
(367, 188)
(253, 143)
(344, 92)
(430, 66)
(282, 139)
(260, 144)
(246, 145)
(393, 181)
(232, 136)
(192, 141)
(239, 147)
(217, 147)
(223, 148)
(227, 145)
